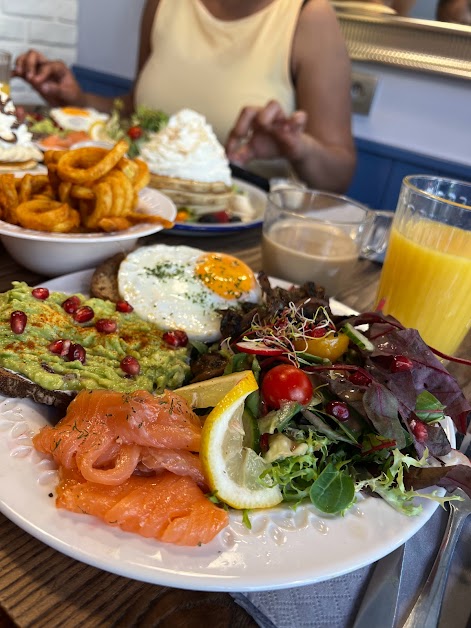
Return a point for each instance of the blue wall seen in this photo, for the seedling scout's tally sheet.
(381, 168)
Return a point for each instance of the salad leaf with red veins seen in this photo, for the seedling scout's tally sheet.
(374, 421)
(428, 373)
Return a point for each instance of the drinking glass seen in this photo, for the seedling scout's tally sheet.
(426, 278)
(318, 236)
(5, 71)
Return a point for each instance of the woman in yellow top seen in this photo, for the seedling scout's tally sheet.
(271, 76)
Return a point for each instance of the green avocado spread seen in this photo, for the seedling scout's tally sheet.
(29, 353)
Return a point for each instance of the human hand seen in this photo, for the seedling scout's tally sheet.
(267, 133)
(54, 80)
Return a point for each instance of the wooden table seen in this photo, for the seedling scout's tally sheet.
(41, 587)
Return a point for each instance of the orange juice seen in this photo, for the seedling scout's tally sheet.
(426, 281)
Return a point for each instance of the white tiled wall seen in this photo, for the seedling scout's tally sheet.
(50, 26)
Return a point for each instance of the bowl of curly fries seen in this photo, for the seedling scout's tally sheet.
(87, 205)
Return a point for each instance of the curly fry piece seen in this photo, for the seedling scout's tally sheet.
(72, 166)
(46, 215)
(8, 198)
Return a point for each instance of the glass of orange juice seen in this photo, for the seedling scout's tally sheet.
(5, 71)
(426, 278)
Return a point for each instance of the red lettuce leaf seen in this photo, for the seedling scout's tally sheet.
(450, 478)
(390, 339)
(381, 407)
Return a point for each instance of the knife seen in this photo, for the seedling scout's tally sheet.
(250, 177)
(379, 605)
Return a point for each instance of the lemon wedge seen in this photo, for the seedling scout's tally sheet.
(231, 469)
(98, 131)
(208, 393)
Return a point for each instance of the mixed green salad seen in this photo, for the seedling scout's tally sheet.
(346, 404)
(137, 128)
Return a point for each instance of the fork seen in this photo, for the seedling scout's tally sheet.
(426, 610)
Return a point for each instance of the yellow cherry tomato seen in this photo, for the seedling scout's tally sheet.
(331, 346)
(182, 215)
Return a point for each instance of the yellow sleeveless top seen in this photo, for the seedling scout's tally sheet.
(217, 67)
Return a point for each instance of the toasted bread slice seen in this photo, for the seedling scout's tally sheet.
(104, 283)
(15, 385)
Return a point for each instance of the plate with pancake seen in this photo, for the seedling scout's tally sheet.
(247, 202)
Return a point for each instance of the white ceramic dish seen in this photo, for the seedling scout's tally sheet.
(258, 200)
(53, 254)
(283, 549)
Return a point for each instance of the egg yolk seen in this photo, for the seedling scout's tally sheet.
(75, 111)
(224, 275)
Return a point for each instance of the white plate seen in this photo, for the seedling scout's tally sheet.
(258, 199)
(151, 202)
(283, 549)
(51, 254)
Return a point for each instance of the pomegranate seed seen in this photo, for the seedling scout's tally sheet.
(124, 306)
(400, 363)
(130, 365)
(60, 347)
(76, 352)
(40, 293)
(83, 314)
(18, 320)
(419, 429)
(176, 338)
(359, 379)
(71, 304)
(338, 409)
(106, 325)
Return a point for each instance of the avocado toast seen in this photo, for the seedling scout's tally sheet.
(52, 345)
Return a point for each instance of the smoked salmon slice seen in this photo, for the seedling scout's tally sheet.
(132, 461)
(104, 432)
(166, 507)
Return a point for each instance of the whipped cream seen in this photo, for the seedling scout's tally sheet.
(15, 139)
(187, 148)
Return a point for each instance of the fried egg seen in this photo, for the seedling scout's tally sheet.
(76, 118)
(181, 287)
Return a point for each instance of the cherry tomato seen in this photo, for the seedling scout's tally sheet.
(135, 132)
(286, 383)
(329, 346)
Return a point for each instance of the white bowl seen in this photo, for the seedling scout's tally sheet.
(54, 254)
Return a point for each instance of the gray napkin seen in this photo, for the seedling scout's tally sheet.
(334, 603)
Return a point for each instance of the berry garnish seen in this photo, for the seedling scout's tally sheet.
(175, 338)
(40, 293)
(18, 320)
(338, 409)
(124, 307)
(130, 365)
(71, 304)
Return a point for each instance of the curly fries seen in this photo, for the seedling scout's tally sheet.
(87, 189)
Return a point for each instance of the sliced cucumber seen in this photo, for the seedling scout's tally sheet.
(357, 337)
(252, 432)
(278, 419)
